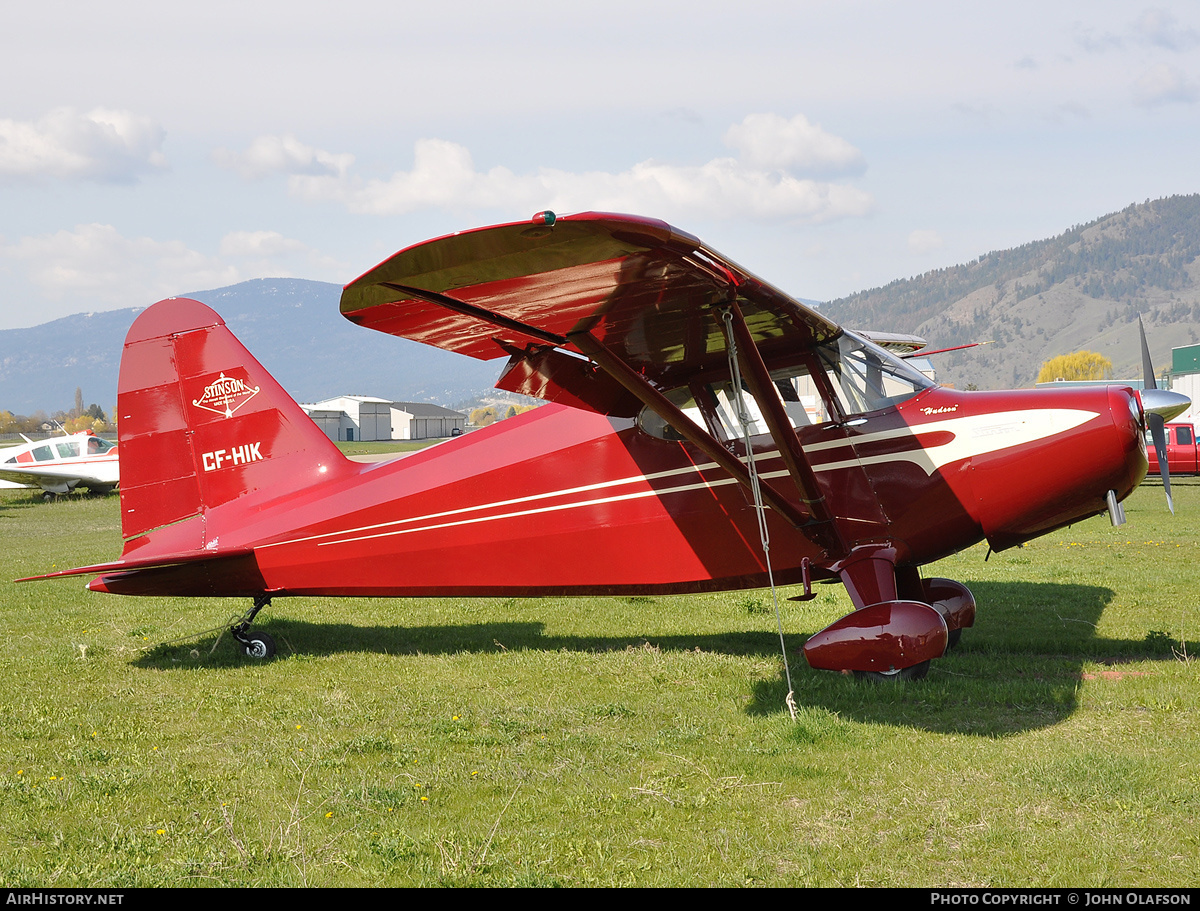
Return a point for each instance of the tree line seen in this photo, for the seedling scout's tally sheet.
(72, 420)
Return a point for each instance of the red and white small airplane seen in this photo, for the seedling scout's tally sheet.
(694, 410)
(61, 464)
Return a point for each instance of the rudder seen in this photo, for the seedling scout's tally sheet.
(202, 423)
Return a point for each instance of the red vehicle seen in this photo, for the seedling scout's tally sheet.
(1183, 456)
(706, 432)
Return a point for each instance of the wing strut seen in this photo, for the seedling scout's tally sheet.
(754, 371)
(701, 439)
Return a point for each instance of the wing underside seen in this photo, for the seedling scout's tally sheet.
(649, 293)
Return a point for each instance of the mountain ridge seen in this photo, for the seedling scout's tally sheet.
(1082, 289)
(292, 326)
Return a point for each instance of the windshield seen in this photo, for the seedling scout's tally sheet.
(867, 378)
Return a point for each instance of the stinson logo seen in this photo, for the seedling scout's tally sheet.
(225, 395)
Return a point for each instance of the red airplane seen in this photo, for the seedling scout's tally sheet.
(696, 414)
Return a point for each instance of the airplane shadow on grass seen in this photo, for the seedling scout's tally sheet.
(1019, 668)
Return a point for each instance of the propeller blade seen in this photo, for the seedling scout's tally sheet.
(1160, 406)
(1159, 433)
(1147, 366)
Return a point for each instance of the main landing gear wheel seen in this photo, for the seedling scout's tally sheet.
(259, 645)
(916, 672)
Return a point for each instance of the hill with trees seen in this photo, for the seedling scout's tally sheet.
(1081, 290)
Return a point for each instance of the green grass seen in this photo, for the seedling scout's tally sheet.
(380, 447)
(607, 741)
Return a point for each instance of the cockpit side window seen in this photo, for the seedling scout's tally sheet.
(649, 421)
(801, 399)
(715, 405)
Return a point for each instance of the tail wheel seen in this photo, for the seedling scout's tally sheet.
(259, 645)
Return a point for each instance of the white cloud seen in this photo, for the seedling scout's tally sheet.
(443, 176)
(1160, 27)
(102, 145)
(770, 141)
(1155, 26)
(268, 254)
(1069, 109)
(1162, 84)
(282, 155)
(759, 185)
(96, 263)
(259, 243)
(1096, 42)
(924, 241)
(95, 266)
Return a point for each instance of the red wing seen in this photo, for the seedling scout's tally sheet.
(644, 289)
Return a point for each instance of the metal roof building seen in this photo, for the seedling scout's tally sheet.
(422, 421)
(364, 417)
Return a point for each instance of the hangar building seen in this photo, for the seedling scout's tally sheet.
(1185, 378)
(365, 417)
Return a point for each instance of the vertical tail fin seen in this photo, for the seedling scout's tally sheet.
(201, 423)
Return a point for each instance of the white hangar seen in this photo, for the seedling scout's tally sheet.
(365, 417)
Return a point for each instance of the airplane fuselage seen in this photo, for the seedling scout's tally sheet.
(60, 464)
(565, 501)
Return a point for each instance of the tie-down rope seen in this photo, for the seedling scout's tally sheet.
(760, 510)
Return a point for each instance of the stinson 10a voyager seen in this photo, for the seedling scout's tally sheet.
(688, 400)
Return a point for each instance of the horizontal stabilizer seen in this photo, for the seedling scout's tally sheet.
(122, 566)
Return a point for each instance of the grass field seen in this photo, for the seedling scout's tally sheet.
(608, 741)
(383, 447)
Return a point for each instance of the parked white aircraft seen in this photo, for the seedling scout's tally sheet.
(61, 464)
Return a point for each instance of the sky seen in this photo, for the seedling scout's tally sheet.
(150, 149)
